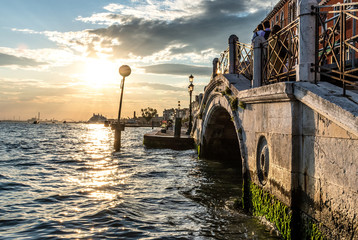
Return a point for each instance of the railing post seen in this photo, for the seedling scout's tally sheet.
(215, 67)
(257, 71)
(343, 56)
(306, 45)
(233, 39)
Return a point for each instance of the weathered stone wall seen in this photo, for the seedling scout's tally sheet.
(327, 173)
(274, 122)
(299, 143)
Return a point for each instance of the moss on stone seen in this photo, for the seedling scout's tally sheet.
(242, 105)
(228, 91)
(198, 149)
(261, 203)
(313, 231)
(234, 103)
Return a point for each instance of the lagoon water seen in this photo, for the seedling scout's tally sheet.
(63, 181)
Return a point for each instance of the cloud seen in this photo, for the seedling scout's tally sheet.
(161, 31)
(156, 86)
(167, 10)
(38, 59)
(178, 69)
(171, 30)
(147, 29)
(7, 60)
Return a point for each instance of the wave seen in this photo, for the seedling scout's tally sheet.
(13, 186)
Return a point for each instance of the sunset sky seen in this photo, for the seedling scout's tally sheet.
(61, 57)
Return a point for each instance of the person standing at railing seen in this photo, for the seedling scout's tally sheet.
(259, 31)
(267, 30)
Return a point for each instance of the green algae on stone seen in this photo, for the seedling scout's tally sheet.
(234, 104)
(264, 204)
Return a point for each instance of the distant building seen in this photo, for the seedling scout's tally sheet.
(142, 122)
(170, 114)
(97, 118)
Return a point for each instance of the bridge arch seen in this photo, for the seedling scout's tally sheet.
(219, 137)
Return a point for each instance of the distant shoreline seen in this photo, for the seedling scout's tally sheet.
(80, 122)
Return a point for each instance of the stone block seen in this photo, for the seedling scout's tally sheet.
(327, 128)
(336, 161)
(296, 121)
(339, 211)
(280, 146)
(279, 183)
(308, 121)
(309, 194)
(308, 165)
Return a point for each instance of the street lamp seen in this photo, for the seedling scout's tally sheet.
(124, 71)
(190, 90)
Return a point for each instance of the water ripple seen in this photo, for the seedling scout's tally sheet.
(64, 181)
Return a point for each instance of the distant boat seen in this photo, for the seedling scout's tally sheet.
(107, 123)
(36, 122)
(97, 118)
(64, 122)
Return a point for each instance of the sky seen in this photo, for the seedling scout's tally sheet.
(61, 57)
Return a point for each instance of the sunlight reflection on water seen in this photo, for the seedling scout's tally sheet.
(64, 181)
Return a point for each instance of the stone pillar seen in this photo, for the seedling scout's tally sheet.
(306, 51)
(118, 128)
(257, 71)
(215, 67)
(233, 39)
(177, 129)
(117, 139)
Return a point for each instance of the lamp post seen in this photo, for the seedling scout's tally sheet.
(124, 71)
(190, 90)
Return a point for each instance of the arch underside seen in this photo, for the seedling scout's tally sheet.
(220, 139)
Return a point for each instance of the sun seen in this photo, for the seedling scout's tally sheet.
(100, 73)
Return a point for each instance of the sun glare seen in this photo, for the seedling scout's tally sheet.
(100, 73)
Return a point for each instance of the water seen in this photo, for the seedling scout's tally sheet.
(63, 181)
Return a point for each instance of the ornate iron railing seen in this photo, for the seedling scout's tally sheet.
(280, 55)
(223, 67)
(244, 60)
(336, 41)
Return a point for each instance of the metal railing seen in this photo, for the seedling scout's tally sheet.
(336, 44)
(244, 60)
(280, 55)
(223, 67)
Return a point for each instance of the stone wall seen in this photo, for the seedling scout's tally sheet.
(272, 121)
(327, 174)
(298, 143)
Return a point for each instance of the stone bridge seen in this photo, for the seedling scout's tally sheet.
(297, 142)
(293, 134)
